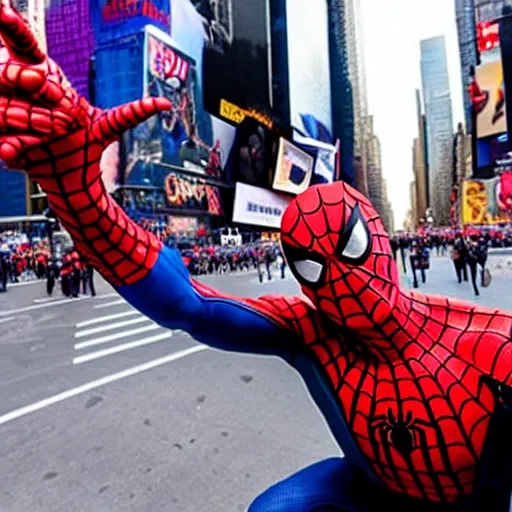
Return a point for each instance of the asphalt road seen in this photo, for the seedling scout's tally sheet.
(100, 410)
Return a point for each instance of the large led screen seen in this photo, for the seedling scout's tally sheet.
(308, 67)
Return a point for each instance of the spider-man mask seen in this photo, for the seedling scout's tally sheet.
(337, 248)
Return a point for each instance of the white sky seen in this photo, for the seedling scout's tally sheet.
(392, 32)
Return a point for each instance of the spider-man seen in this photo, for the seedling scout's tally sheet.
(414, 388)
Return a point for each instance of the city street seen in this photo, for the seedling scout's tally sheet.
(101, 410)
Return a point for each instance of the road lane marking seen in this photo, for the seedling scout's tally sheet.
(25, 283)
(47, 299)
(117, 336)
(89, 386)
(111, 327)
(107, 295)
(122, 348)
(106, 318)
(9, 318)
(109, 304)
(41, 306)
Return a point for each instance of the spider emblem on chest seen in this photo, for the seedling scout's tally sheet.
(400, 432)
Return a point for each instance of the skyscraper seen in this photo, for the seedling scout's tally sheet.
(439, 120)
(374, 166)
(466, 29)
(420, 166)
(357, 73)
(342, 97)
(487, 10)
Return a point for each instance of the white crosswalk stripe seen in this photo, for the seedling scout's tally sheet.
(117, 336)
(110, 304)
(106, 335)
(111, 327)
(122, 348)
(106, 318)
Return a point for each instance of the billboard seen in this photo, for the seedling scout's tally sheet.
(179, 194)
(309, 68)
(293, 169)
(237, 54)
(114, 19)
(259, 207)
(254, 155)
(487, 201)
(488, 87)
(187, 193)
(325, 155)
(488, 36)
(185, 137)
(491, 116)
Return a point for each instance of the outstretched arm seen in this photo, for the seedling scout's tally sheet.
(58, 138)
(171, 298)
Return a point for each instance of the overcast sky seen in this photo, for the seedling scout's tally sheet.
(393, 30)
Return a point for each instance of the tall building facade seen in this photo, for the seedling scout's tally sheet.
(439, 121)
(420, 165)
(342, 97)
(387, 209)
(374, 166)
(466, 30)
(487, 10)
(357, 73)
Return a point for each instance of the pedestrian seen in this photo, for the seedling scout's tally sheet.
(403, 243)
(459, 258)
(394, 246)
(482, 252)
(87, 276)
(75, 274)
(472, 259)
(420, 262)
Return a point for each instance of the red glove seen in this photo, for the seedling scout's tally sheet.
(57, 137)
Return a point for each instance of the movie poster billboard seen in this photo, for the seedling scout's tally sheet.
(293, 169)
(237, 56)
(182, 137)
(309, 68)
(490, 104)
(487, 201)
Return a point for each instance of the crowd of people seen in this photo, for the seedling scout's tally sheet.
(23, 259)
(467, 248)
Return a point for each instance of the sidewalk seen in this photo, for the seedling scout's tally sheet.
(441, 280)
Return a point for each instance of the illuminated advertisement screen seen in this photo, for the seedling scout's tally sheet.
(487, 201)
(491, 110)
(237, 54)
(294, 169)
(119, 18)
(309, 68)
(488, 36)
(180, 137)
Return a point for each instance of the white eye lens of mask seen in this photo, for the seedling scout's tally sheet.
(309, 270)
(357, 243)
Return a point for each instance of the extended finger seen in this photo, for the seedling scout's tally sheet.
(20, 116)
(35, 82)
(13, 148)
(114, 122)
(17, 36)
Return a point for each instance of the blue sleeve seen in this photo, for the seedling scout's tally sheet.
(167, 296)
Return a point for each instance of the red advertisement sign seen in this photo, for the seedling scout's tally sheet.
(488, 36)
(193, 194)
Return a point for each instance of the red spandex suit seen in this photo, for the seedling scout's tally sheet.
(415, 389)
